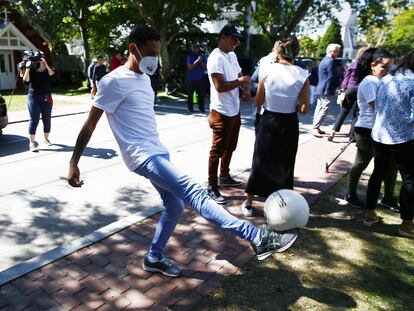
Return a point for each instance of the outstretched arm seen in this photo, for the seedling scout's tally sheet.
(81, 143)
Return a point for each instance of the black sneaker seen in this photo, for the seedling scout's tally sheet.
(215, 194)
(228, 182)
(164, 265)
(353, 201)
(390, 203)
(274, 242)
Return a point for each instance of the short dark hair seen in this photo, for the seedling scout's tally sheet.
(100, 57)
(142, 34)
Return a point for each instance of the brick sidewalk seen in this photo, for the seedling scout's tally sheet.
(108, 275)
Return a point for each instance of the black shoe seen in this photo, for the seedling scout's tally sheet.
(274, 242)
(228, 182)
(164, 265)
(354, 201)
(390, 203)
(215, 194)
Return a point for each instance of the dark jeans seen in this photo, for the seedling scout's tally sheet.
(199, 87)
(347, 105)
(363, 156)
(225, 136)
(404, 157)
(39, 104)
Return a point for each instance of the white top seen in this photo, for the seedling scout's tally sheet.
(394, 122)
(264, 63)
(283, 84)
(128, 100)
(367, 92)
(227, 103)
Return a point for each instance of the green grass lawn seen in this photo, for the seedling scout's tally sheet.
(18, 100)
(336, 264)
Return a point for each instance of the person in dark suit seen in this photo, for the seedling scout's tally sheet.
(328, 81)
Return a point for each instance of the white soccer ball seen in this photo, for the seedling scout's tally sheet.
(286, 209)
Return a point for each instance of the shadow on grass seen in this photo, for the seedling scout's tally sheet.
(277, 289)
(337, 263)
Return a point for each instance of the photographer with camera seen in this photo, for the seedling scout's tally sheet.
(36, 72)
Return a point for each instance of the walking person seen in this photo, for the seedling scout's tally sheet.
(224, 119)
(328, 81)
(350, 87)
(40, 101)
(125, 95)
(374, 65)
(285, 89)
(196, 63)
(99, 71)
(393, 136)
(90, 71)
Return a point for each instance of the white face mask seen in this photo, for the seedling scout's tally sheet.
(148, 64)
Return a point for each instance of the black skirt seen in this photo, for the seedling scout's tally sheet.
(274, 153)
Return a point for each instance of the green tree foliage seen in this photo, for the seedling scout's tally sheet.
(332, 35)
(175, 16)
(103, 25)
(281, 18)
(308, 47)
(375, 16)
(401, 37)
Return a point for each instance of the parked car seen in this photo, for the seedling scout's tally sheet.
(4, 120)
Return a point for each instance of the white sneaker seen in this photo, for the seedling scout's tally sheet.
(48, 143)
(247, 210)
(33, 147)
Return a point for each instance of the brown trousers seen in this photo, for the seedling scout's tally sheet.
(225, 136)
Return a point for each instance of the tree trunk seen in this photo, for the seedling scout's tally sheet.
(247, 23)
(84, 38)
(165, 57)
(295, 20)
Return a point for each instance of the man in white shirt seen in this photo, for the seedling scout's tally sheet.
(126, 96)
(226, 78)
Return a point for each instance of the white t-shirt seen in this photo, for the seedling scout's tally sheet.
(265, 62)
(227, 103)
(128, 100)
(283, 84)
(367, 92)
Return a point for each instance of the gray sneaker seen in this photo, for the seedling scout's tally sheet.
(228, 182)
(164, 265)
(215, 194)
(274, 242)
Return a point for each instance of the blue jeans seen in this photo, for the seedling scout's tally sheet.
(175, 188)
(39, 104)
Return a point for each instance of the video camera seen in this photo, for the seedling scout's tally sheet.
(31, 59)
